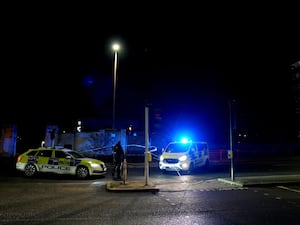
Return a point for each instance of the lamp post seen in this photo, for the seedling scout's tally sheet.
(116, 48)
(231, 153)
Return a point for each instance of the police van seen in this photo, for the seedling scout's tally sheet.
(184, 157)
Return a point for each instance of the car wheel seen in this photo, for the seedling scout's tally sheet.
(191, 169)
(206, 164)
(30, 170)
(205, 167)
(82, 172)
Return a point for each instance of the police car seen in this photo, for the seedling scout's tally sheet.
(59, 161)
(184, 156)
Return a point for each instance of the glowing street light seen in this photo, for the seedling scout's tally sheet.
(116, 48)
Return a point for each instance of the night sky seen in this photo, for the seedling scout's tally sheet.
(183, 62)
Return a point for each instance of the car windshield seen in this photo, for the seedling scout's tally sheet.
(75, 154)
(177, 148)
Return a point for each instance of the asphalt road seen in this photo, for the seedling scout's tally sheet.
(190, 199)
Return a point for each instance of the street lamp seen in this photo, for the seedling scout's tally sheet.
(116, 48)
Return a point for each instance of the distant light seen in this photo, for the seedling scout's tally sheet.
(116, 47)
(78, 126)
(88, 81)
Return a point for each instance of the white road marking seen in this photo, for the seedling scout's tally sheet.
(289, 189)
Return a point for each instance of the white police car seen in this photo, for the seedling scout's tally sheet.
(59, 161)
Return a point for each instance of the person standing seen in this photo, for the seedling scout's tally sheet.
(118, 158)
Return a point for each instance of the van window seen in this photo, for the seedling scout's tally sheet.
(193, 152)
(177, 148)
(203, 147)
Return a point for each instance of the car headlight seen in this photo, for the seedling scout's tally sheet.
(183, 158)
(161, 158)
(94, 165)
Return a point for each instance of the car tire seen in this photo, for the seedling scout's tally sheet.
(206, 166)
(82, 172)
(30, 170)
(191, 169)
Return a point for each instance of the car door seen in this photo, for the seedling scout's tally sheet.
(194, 154)
(43, 161)
(202, 152)
(62, 162)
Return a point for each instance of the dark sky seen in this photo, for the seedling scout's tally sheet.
(184, 60)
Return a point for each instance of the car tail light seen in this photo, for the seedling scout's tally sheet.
(19, 159)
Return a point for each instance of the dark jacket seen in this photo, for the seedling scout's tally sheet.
(118, 153)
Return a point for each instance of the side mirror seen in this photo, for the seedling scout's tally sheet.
(152, 149)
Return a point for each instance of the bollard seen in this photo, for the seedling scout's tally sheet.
(124, 171)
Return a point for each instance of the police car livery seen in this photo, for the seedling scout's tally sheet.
(184, 156)
(59, 161)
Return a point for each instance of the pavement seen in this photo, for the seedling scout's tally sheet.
(248, 181)
(241, 181)
(136, 185)
(156, 185)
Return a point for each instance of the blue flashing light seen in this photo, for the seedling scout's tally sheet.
(184, 140)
